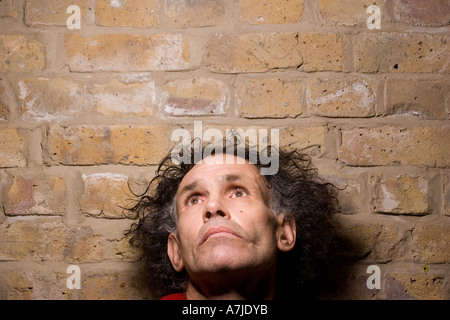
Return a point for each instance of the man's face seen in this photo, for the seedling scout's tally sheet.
(224, 220)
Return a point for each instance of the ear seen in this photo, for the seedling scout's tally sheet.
(173, 251)
(286, 232)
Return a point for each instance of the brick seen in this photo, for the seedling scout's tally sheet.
(12, 148)
(426, 99)
(348, 12)
(341, 97)
(48, 99)
(136, 14)
(196, 97)
(88, 145)
(194, 13)
(3, 110)
(125, 99)
(271, 11)
(115, 285)
(400, 194)
(48, 12)
(310, 140)
(446, 183)
(38, 195)
(8, 9)
(401, 52)
(126, 252)
(377, 242)
(19, 54)
(38, 285)
(49, 241)
(126, 52)
(415, 286)
(395, 146)
(419, 13)
(96, 202)
(266, 51)
(430, 243)
(269, 97)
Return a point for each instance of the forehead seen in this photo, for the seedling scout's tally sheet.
(223, 165)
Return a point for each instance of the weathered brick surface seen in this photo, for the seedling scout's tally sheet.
(271, 12)
(97, 203)
(196, 97)
(12, 148)
(137, 13)
(127, 52)
(194, 13)
(116, 98)
(428, 99)
(87, 113)
(348, 12)
(84, 145)
(342, 98)
(46, 99)
(36, 196)
(400, 194)
(395, 146)
(20, 54)
(263, 52)
(269, 98)
(45, 12)
(420, 13)
(49, 241)
(8, 9)
(430, 243)
(401, 52)
(415, 286)
(308, 139)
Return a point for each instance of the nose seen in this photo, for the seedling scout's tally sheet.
(215, 207)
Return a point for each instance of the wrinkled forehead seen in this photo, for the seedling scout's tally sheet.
(220, 166)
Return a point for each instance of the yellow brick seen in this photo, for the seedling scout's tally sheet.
(194, 13)
(349, 12)
(342, 97)
(126, 52)
(399, 195)
(12, 148)
(47, 99)
(49, 12)
(426, 99)
(82, 145)
(37, 196)
(402, 52)
(199, 96)
(269, 97)
(271, 11)
(117, 98)
(19, 54)
(396, 146)
(262, 52)
(136, 13)
(97, 203)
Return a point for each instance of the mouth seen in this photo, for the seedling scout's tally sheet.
(219, 231)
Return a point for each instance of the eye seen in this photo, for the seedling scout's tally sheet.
(193, 200)
(239, 193)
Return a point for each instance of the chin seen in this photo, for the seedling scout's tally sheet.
(225, 258)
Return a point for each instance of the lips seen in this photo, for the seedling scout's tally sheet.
(217, 230)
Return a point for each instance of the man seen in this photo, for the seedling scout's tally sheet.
(218, 229)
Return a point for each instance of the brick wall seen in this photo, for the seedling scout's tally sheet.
(85, 112)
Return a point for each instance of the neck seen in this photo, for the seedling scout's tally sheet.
(225, 286)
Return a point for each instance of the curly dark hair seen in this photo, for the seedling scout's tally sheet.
(297, 190)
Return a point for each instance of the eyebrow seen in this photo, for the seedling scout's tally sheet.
(193, 185)
(189, 187)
